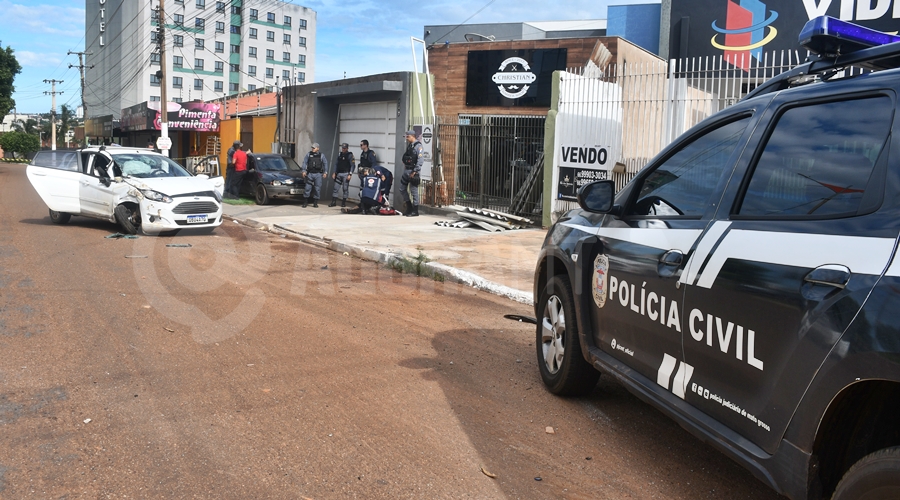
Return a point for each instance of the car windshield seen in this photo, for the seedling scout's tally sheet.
(276, 163)
(149, 165)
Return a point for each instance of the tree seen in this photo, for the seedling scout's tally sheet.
(19, 142)
(66, 121)
(9, 68)
(30, 126)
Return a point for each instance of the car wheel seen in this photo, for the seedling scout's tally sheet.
(563, 368)
(876, 476)
(262, 196)
(129, 219)
(59, 217)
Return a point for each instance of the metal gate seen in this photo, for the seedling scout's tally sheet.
(493, 162)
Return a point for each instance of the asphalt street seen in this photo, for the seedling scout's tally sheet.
(252, 366)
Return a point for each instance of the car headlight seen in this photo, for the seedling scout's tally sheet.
(276, 183)
(155, 196)
(217, 195)
(289, 182)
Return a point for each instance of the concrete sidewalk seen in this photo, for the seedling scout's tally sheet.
(501, 263)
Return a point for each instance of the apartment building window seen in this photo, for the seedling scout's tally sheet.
(218, 86)
(220, 66)
(235, 10)
(270, 36)
(155, 98)
(254, 14)
(179, 19)
(286, 57)
(270, 54)
(287, 38)
(220, 6)
(251, 70)
(220, 27)
(233, 87)
(270, 72)
(176, 82)
(287, 20)
(235, 49)
(286, 74)
(251, 87)
(301, 77)
(178, 40)
(198, 64)
(220, 47)
(199, 43)
(253, 32)
(177, 61)
(154, 36)
(302, 23)
(253, 52)
(302, 41)
(201, 4)
(200, 23)
(154, 16)
(301, 59)
(177, 99)
(235, 68)
(154, 58)
(154, 80)
(270, 17)
(198, 84)
(235, 30)
(179, 2)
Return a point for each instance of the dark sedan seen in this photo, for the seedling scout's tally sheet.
(272, 176)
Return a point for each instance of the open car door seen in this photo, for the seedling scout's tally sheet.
(55, 175)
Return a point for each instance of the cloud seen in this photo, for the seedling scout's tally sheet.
(44, 19)
(37, 60)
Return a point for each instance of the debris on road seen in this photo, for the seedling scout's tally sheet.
(179, 245)
(116, 236)
(135, 256)
(549, 430)
(488, 474)
(489, 220)
(521, 319)
(169, 329)
(87, 420)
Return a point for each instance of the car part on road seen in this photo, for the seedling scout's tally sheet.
(563, 367)
(521, 319)
(59, 217)
(129, 218)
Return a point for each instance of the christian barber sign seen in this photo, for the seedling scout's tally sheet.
(514, 77)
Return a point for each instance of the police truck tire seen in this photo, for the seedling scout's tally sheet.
(125, 217)
(563, 368)
(59, 217)
(874, 477)
(262, 196)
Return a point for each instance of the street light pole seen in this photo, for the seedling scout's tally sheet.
(164, 105)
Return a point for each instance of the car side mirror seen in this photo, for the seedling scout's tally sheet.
(597, 197)
(106, 181)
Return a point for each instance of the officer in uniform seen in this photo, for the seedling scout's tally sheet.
(314, 167)
(366, 159)
(343, 170)
(413, 159)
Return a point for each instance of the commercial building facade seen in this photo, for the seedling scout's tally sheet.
(213, 49)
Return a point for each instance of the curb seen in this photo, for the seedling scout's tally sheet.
(451, 273)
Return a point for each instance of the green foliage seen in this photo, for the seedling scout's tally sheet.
(415, 266)
(9, 68)
(19, 142)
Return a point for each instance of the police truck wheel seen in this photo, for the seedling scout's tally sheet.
(59, 217)
(262, 196)
(127, 218)
(875, 477)
(564, 370)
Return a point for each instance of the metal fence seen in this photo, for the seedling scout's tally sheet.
(492, 162)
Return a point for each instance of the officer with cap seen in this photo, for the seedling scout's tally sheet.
(413, 159)
(229, 170)
(366, 159)
(343, 171)
(314, 167)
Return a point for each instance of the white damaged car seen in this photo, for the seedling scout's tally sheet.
(138, 188)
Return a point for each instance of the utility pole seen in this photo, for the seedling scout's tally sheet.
(81, 70)
(164, 105)
(53, 93)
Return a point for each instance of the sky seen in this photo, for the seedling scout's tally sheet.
(354, 37)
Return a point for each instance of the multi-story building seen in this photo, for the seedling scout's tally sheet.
(213, 49)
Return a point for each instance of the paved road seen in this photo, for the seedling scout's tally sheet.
(242, 367)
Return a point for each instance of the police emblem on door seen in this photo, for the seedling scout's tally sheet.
(599, 280)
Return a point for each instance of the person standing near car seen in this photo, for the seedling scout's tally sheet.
(366, 159)
(314, 166)
(344, 166)
(413, 159)
(229, 167)
(240, 170)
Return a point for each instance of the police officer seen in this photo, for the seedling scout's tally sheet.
(314, 167)
(413, 159)
(343, 170)
(366, 159)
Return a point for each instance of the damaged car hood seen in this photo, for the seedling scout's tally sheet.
(174, 186)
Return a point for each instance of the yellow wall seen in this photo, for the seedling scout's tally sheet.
(229, 131)
(264, 133)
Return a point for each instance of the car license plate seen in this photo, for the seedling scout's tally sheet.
(196, 219)
(296, 191)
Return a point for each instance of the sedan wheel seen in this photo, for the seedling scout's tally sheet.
(262, 196)
(59, 217)
(553, 330)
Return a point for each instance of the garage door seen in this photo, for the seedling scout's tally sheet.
(377, 123)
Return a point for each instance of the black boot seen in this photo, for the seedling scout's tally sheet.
(305, 202)
(415, 211)
(343, 202)
(333, 202)
(407, 208)
(315, 203)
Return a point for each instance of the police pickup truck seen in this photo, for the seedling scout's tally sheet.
(746, 282)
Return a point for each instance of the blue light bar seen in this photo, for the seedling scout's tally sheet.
(828, 36)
